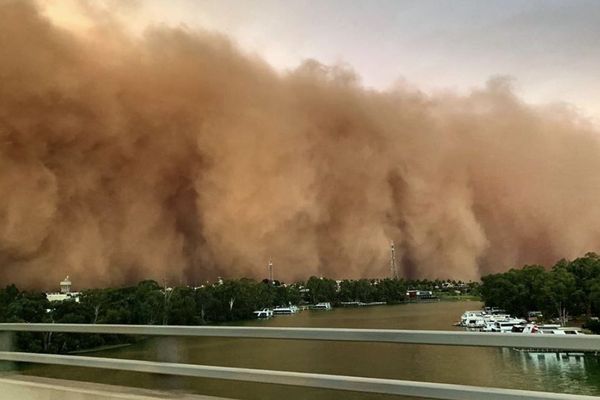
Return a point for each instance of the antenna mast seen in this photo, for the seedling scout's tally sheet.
(393, 269)
(270, 270)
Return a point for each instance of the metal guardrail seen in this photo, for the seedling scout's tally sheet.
(324, 381)
(339, 382)
(447, 338)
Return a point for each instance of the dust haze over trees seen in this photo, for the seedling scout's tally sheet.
(173, 155)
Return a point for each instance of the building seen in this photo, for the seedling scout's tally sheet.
(65, 286)
(65, 292)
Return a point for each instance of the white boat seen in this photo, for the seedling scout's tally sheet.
(564, 331)
(506, 325)
(475, 322)
(490, 320)
(482, 320)
(547, 329)
(548, 353)
(322, 306)
(264, 313)
(470, 316)
(494, 310)
(555, 329)
(285, 310)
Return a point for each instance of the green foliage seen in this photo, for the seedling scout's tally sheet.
(593, 325)
(147, 303)
(321, 289)
(360, 290)
(391, 290)
(569, 288)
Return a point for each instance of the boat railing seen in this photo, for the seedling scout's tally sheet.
(579, 343)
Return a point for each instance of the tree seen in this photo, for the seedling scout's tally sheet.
(585, 270)
(95, 300)
(148, 303)
(28, 307)
(516, 291)
(559, 290)
(391, 290)
(182, 307)
(321, 289)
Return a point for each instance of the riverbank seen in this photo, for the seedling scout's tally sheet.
(459, 298)
(102, 348)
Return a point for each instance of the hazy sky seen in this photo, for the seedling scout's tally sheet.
(551, 48)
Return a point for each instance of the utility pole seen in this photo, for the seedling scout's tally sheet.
(167, 297)
(393, 269)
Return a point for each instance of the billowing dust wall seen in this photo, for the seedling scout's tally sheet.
(174, 155)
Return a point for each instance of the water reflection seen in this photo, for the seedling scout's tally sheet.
(472, 366)
(577, 373)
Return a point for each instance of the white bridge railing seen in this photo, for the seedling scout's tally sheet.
(576, 343)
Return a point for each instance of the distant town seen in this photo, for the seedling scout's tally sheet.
(343, 288)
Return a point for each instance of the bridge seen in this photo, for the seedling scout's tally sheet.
(24, 389)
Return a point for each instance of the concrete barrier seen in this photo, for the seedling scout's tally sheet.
(20, 387)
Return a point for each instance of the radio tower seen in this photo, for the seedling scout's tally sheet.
(270, 271)
(393, 269)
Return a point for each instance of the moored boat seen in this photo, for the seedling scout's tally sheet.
(285, 310)
(264, 313)
(321, 306)
(489, 320)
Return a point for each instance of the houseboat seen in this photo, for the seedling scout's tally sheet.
(321, 306)
(285, 310)
(264, 313)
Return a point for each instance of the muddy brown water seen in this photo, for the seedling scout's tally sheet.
(491, 367)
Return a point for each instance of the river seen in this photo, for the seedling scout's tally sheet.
(463, 365)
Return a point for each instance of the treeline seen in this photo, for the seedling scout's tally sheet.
(392, 291)
(149, 303)
(568, 289)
